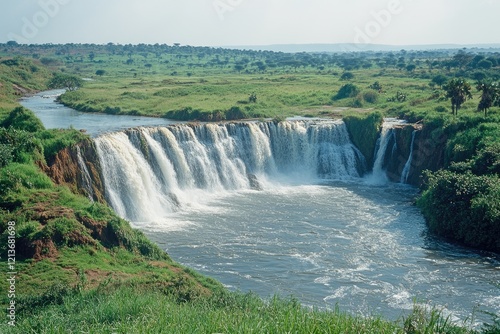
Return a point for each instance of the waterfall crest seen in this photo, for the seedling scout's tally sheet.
(150, 172)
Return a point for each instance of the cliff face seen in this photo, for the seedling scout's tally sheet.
(427, 152)
(78, 168)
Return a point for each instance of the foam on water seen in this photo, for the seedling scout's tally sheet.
(367, 254)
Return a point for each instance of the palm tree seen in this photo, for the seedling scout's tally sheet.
(459, 91)
(490, 96)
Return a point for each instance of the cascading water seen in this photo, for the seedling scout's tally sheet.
(406, 170)
(387, 137)
(150, 172)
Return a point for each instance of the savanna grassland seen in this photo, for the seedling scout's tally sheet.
(205, 83)
(83, 269)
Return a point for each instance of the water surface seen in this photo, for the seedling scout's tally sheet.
(57, 116)
(362, 247)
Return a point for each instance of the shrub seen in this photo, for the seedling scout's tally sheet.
(346, 91)
(14, 144)
(363, 131)
(347, 76)
(357, 102)
(235, 113)
(370, 96)
(23, 119)
(440, 109)
(463, 207)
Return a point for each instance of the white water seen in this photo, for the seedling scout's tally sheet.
(359, 246)
(151, 172)
(407, 168)
(363, 247)
(387, 136)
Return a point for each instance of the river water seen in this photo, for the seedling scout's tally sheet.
(362, 247)
(55, 116)
(353, 243)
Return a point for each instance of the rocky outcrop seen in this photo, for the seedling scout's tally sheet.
(428, 152)
(78, 168)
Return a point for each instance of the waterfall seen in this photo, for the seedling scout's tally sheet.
(86, 179)
(386, 138)
(151, 172)
(406, 170)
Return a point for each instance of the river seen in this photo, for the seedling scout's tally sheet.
(348, 242)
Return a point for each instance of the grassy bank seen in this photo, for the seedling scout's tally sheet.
(137, 310)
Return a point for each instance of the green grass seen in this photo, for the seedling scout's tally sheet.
(133, 309)
(285, 94)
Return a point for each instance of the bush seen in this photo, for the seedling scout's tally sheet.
(441, 109)
(23, 119)
(347, 76)
(346, 91)
(357, 102)
(363, 131)
(14, 144)
(370, 96)
(235, 113)
(463, 207)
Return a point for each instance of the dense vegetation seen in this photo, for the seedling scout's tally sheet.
(82, 268)
(462, 202)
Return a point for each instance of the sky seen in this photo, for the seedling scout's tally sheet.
(250, 22)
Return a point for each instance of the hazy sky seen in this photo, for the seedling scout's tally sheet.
(251, 22)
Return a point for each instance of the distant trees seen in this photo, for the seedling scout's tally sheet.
(68, 81)
(458, 91)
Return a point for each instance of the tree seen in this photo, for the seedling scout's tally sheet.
(459, 91)
(239, 67)
(490, 96)
(410, 68)
(68, 81)
(439, 80)
(347, 76)
(485, 64)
